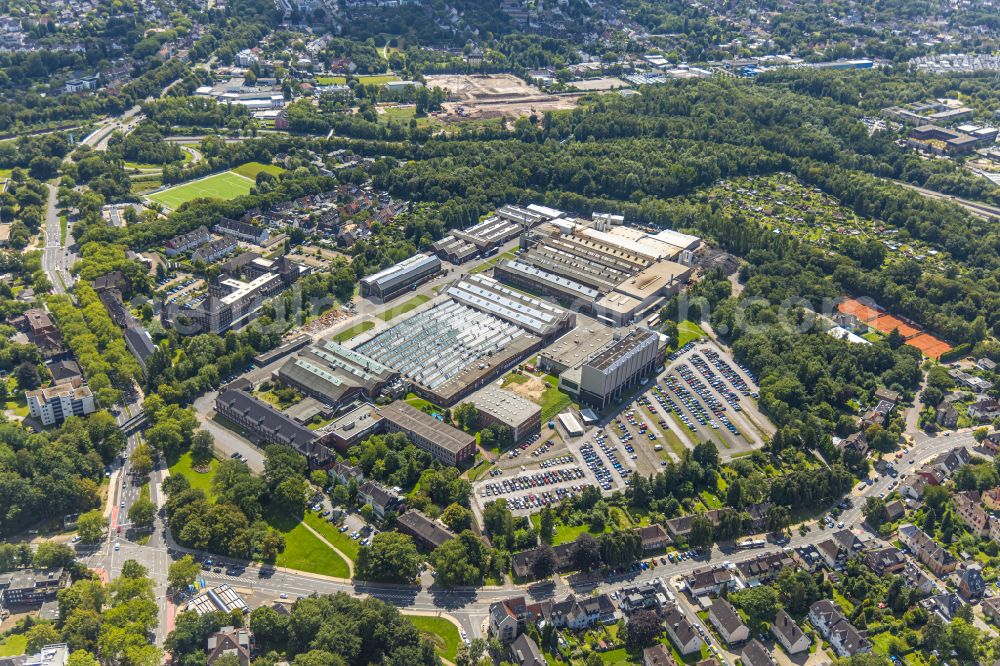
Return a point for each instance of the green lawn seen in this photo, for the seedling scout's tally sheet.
(331, 533)
(197, 479)
(441, 632)
(619, 656)
(331, 80)
(411, 304)
(13, 645)
(687, 331)
(226, 185)
(303, 551)
(553, 400)
(251, 169)
(356, 330)
(63, 229)
(18, 405)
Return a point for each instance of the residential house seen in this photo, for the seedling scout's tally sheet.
(521, 562)
(986, 364)
(985, 409)
(888, 396)
(992, 442)
(953, 459)
(681, 632)
(649, 596)
(381, 499)
(582, 613)
(913, 487)
(972, 514)
(947, 415)
(524, 651)
(229, 641)
(970, 582)
(654, 537)
(933, 475)
(727, 622)
(710, 580)
(843, 637)
(991, 609)
(188, 241)
(426, 533)
(995, 529)
(885, 561)
(991, 499)
(855, 443)
(509, 617)
(789, 634)
(945, 604)
(918, 579)
(763, 568)
(893, 511)
(658, 655)
(836, 550)
(755, 654)
(936, 558)
(345, 473)
(242, 230)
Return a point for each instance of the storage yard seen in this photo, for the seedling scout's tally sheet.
(494, 95)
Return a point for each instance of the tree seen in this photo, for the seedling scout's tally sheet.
(466, 415)
(701, 535)
(91, 526)
(547, 524)
(183, 572)
(202, 447)
(895, 339)
(27, 376)
(142, 460)
(586, 553)
(759, 603)
(874, 511)
(642, 629)
(40, 635)
(82, 658)
(319, 478)
(454, 564)
(392, 557)
(457, 517)
(50, 554)
(289, 496)
(142, 513)
(269, 626)
(543, 563)
(134, 571)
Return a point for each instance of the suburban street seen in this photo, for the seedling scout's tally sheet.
(469, 606)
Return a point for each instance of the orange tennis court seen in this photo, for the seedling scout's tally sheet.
(855, 307)
(929, 345)
(886, 322)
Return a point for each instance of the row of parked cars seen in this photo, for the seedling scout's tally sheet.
(727, 371)
(523, 446)
(715, 381)
(699, 413)
(537, 480)
(702, 391)
(544, 498)
(596, 465)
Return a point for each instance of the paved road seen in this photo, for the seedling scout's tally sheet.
(470, 606)
(56, 257)
(975, 207)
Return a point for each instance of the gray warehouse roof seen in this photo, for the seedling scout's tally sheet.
(488, 295)
(410, 418)
(418, 264)
(504, 405)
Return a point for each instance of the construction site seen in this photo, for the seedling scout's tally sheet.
(494, 95)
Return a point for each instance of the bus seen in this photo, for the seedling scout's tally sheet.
(653, 321)
(751, 543)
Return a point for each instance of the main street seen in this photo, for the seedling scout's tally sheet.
(469, 606)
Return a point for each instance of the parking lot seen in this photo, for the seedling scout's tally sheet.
(703, 395)
(709, 397)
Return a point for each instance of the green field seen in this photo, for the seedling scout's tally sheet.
(331, 533)
(411, 304)
(303, 551)
(197, 479)
(687, 331)
(331, 80)
(553, 400)
(226, 185)
(355, 330)
(441, 632)
(13, 645)
(251, 169)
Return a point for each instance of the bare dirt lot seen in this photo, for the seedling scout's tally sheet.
(533, 389)
(494, 95)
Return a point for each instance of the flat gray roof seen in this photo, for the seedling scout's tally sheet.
(504, 405)
(426, 426)
(572, 349)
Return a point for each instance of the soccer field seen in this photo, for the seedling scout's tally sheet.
(227, 185)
